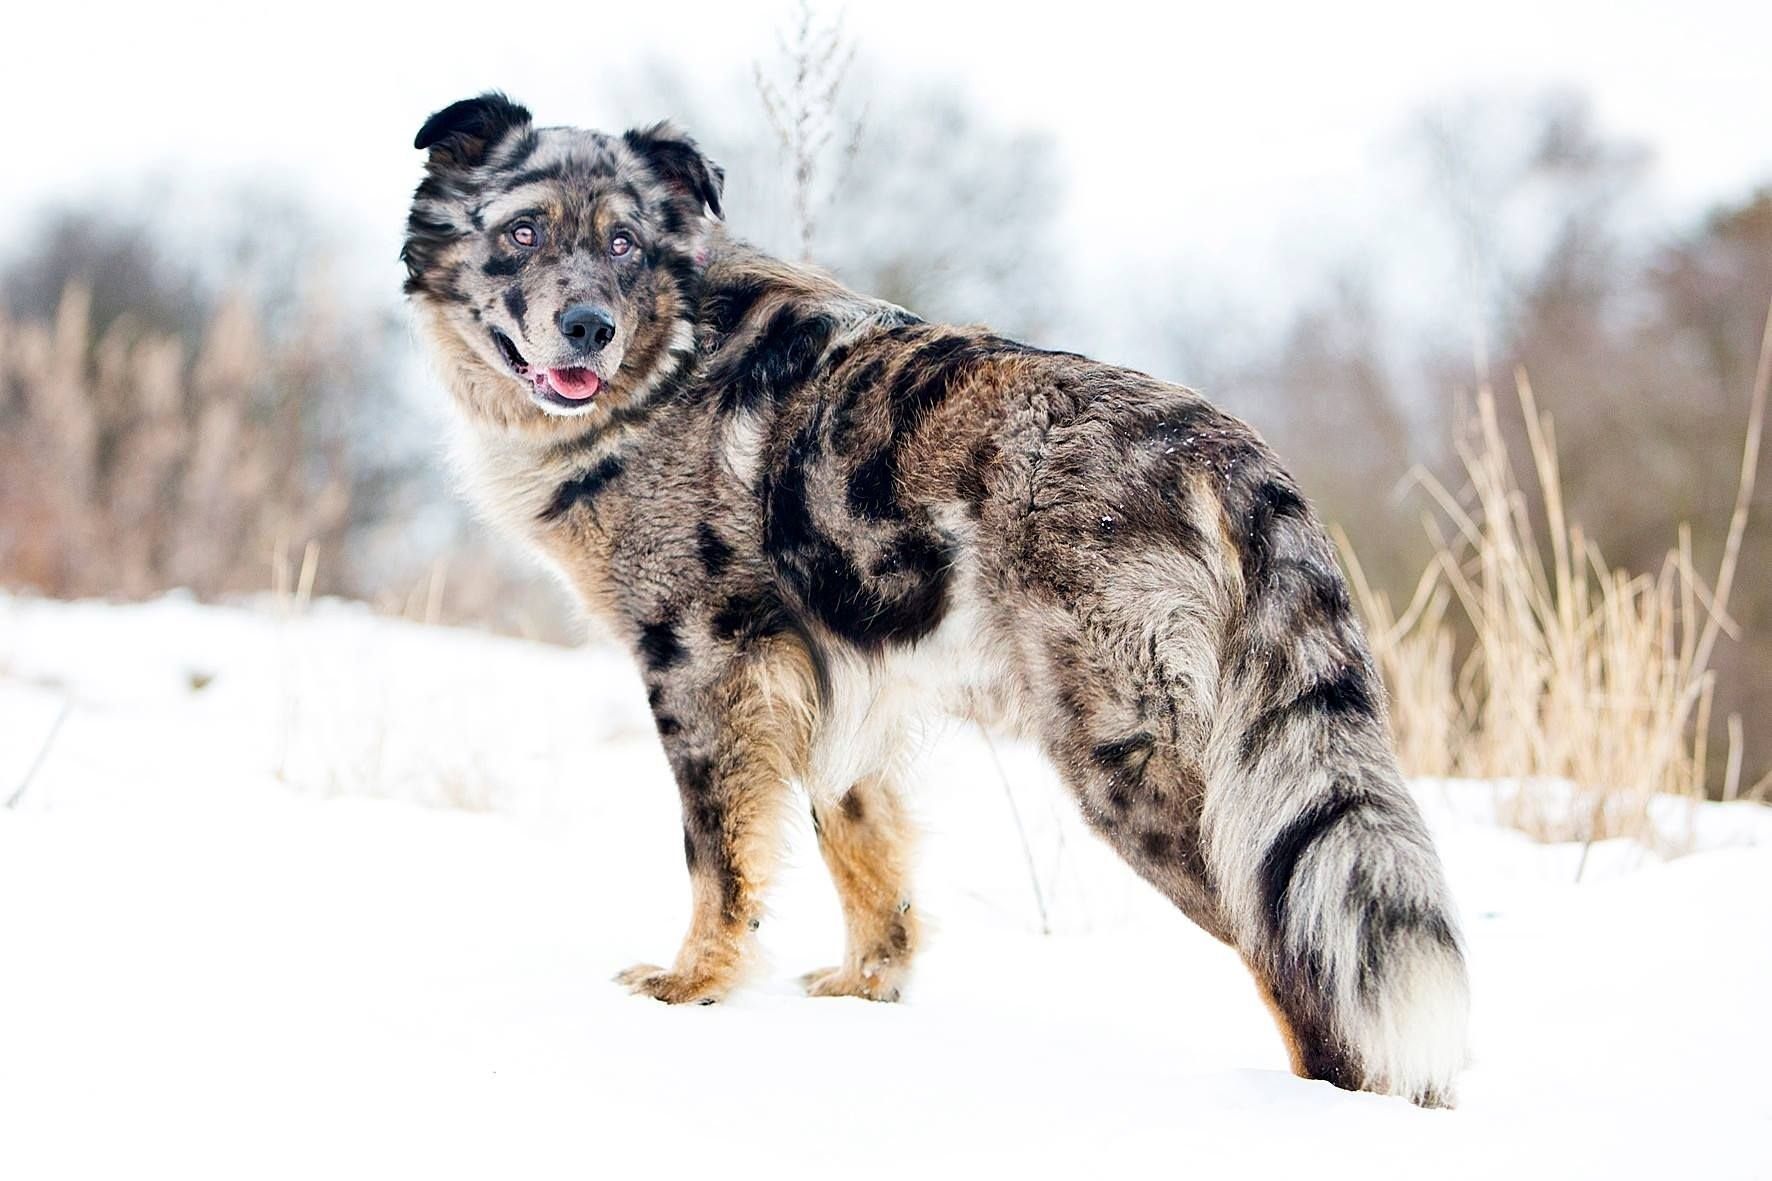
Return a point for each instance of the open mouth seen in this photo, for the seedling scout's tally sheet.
(571, 388)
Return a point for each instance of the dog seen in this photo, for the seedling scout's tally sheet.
(815, 518)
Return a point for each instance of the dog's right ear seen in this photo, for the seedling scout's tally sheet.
(462, 133)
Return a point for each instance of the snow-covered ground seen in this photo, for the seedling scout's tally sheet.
(335, 896)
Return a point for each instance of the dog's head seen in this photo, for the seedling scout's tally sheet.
(555, 270)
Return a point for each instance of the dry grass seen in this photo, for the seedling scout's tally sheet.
(131, 462)
(1583, 690)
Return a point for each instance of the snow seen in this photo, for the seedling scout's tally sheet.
(324, 894)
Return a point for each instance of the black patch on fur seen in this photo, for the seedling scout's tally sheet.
(1156, 844)
(418, 224)
(743, 619)
(704, 837)
(1322, 593)
(853, 807)
(517, 304)
(1280, 861)
(462, 132)
(682, 271)
(504, 268)
(1256, 496)
(864, 379)
(1269, 503)
(734, 617)
(1123, 755)
(583, 489)
(715, 554)
(815, 655)
(697, 780)
(917, 389)
(872, 490)
(674, 159)
(1123, 760)
(667, 725)
(868, 613)
(1386, 922)
(535, 176)
(855, 386)
(925, 380)
(660, 646)
(1345, 695)
(1151, 512)
(911, 578)
(837, 357)
(520, 151)
(723, 309)
(785, 355)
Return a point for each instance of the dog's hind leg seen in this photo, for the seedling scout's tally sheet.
(1208, 690)
(867, 839)
(1125, 725)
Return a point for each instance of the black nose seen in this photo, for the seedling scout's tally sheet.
(588, 328)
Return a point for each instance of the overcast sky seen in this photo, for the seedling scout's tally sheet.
(1254, 131)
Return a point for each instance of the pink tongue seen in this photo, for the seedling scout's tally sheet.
(576, 384)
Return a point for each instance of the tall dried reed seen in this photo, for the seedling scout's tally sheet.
(1583, 691)
(131, 463)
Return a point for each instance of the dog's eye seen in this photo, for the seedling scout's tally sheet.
(620, 244)
(524, 235)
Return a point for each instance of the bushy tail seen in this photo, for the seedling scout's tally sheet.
(1325, 869)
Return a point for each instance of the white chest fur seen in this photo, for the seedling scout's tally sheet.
(879, 705)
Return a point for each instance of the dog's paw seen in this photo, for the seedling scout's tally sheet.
(849, 982)
(673, 988)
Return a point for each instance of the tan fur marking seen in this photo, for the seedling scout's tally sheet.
(1288, 1035)
(867, 841)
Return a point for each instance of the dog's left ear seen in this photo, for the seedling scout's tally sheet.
(676, 160)
(462, 133)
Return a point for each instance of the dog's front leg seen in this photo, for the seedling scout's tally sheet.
(733, 744)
